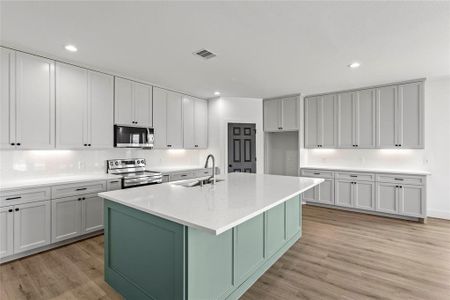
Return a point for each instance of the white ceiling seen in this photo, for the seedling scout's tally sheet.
(263, 48)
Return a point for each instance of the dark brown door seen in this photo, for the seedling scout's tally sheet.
(241, 147)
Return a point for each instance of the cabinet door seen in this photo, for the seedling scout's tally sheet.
(92, 215)
(312, 122)
(411, 109)
(66, 218)
(387, 198)
(365, 119)
(123, 102)
(31, 226)
(311, 195)
(174, 120)
(327, 119)
(35, 102)
(7, 107)
(289, 113)
(364, 195)
(386, 117)
(100, 110)
(142, 104)
(6, 231)
(274, 229)
(345, 120)
(201, 123)
(159, 117)
(344, 193)
(411, 200)
(71, 106)
(189, 122)
(272, 115)
(326, 191)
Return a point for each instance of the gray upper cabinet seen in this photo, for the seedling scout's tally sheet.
(84, 108)
(27, 101)
(281, 114)
(195, 122)
(133, 103)
(320, 122)
(383, 117)
(168, 119)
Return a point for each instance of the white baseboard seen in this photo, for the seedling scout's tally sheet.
(441, 214)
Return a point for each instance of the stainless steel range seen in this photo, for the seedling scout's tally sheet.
(133, 172)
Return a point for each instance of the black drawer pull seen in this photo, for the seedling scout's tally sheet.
(81, 189)
(10, 210)
(317, 173)
(16, 209)
(400, 179)
(184, 175)
(14, 198)
(116, 181)
(353, 176)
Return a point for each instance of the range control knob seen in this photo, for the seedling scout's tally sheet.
(116, 163)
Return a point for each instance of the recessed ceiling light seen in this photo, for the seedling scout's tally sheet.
(354, 65)
(217, 93)
(71, 48)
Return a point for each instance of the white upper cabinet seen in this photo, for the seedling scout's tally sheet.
(168, 119)
(320, 122)
(383, 117)
(133, 103)
(100, 110)
(195, 122)
(27, 101)
(7, 105)
(84, 108)
(281, 114)
(400, 111)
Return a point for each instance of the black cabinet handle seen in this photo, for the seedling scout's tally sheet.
(12, 144)
(317, 173)
(169, 145)
(400, 179)
(85, 145)
(83, 198)
(353, 176)
(115, 181)
(196, 146)
(81, 189)
(183, 175)
(10, 210)
(89, 145)
(18, 144)
(400, 186)
(16, 209)
(79, 199)
(13, 198)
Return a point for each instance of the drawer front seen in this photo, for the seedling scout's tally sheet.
(67, 190)
(181, 176)
(203, 173)
(19, 196)
(317, 173)
(115, 184)
(401, 179)
(355, 176)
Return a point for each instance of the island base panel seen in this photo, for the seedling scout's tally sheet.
(147, 257)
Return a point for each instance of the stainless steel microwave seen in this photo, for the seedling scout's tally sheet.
(133, 137)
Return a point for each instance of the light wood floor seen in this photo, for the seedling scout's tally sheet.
(341, 255)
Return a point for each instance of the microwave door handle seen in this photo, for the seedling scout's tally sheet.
(148, 135)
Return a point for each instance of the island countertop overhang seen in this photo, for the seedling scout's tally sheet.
(214, 208)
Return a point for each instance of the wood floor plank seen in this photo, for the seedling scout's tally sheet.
(341, 255)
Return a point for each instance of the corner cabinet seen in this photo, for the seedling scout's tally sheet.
(389, 116)
(281, 114)
(168, 119)
(27, 101)
(84, 108)
(133, 103)
(195, 123)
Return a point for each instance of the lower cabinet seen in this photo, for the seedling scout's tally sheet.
(76, 215)
(322, 193)
(356, 194)
(24, 227)
(387, 198)
(344, 193)
(407, 200)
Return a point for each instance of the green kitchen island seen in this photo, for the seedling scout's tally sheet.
(170, 241)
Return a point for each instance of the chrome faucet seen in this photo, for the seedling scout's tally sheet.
(212, 178)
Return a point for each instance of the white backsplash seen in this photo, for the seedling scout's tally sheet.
(35, 163)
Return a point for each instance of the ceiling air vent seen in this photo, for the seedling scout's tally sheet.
(203, 53)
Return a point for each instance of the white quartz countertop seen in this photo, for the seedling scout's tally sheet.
(214, 208)
(52, 180)
(374, 170)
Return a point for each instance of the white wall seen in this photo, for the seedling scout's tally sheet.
(234, 110)
(33, 163)
(434, 158)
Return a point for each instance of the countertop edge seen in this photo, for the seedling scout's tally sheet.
(208, 229)
(370, 170)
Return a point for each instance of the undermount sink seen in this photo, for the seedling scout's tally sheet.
(195, 182)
